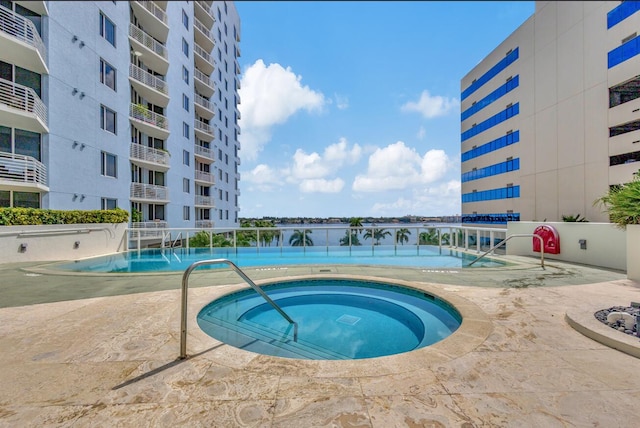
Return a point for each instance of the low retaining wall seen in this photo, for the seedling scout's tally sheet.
(606, 245)
(52, 242)
(633, 252)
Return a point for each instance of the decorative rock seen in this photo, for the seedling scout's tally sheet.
(621, 318)
(621, 329)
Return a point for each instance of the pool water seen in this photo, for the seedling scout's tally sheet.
(337, 319)
(179, 259)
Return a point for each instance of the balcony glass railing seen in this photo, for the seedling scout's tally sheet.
(149, 154)
(149, 192)
(148, 41)
(201, 126)
(202, 101)
(203, 151)
(154, 9)
(22, 169)
(22, 98)
(206, 201)
(204, 224)
(202, 77)
(21, 28)
(197, 49)
(204, 176)
(148, 79)
(143, 114)
(200, 26)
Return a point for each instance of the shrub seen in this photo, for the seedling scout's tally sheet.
(623, 203)
(35, 216)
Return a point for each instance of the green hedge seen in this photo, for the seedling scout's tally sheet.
(31, 216)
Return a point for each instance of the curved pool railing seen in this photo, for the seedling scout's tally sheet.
(185, 290)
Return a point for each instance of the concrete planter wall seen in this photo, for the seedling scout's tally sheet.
(633, 252)
(60, 241)
(606, 243)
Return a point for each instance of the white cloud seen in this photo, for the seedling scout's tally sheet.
(261, 174)
(270, 95)
(442, 199)
(342, 102)
(398, 167)
(314, 165)
(431, 106)
(321, 185)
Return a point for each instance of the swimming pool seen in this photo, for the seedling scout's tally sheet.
(179, 259)
(337, 319)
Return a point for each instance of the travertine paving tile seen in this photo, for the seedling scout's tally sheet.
(422, 410)
(325, 411)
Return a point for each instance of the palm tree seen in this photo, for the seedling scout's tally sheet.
(402, 235)
(376, 234)
(356, 223)
(623, 203)
(344, 241)
(430, 237)
(301, 238)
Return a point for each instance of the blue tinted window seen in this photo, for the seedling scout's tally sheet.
(494, 218)
(491, 122)
(495, 95)
(491, 194)
(504, 63)
(622, 12)
(491, 146)
(488, 171)
(624, 52)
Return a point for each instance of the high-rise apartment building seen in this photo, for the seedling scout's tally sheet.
(551, 118)
(129, 104)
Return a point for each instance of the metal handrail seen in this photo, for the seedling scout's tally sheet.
(523, 235)
(185, 288)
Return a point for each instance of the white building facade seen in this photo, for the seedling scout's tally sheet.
(551, 118)
(121, 104)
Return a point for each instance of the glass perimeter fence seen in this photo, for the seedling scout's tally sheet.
(315, 237)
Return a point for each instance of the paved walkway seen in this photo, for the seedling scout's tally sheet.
(100, 350)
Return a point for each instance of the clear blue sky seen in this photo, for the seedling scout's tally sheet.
(352, 108)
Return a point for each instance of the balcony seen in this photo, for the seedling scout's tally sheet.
(19, 172)
(203, 13)
(202, 35)
(203, 83)
(149, 122)
(203, 131)
(22, 108)
(204, 224)
(203, 60)
(203, 107)
(148, 229)
(39, 7)
(153, 53)
(204, 201)
(21, 43)
(152, 18)
(204, 177)
(203, 154)
(149, 193)
(149, 157)
(152, 88)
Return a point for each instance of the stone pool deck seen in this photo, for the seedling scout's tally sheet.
(101, 351)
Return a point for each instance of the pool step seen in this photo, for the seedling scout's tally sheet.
(256, 337)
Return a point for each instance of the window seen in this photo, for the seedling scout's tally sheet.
(107, 29)
(226, 177)
(220, 174)
(109, 204)
(108, 119)
(185, 48)
(219, 55)
(186, 212)
(109, 166)
(226, 159)
(186, 185)
(185, 74)
(185, 130)
(226, 195)
(185, 102)
(219, 154)
(220, 194)
(185, 19)
(107, 74)
(185, 157)
(226, 49)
